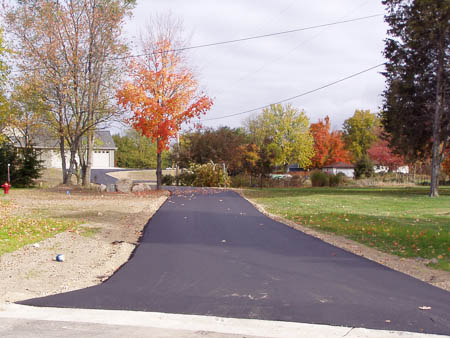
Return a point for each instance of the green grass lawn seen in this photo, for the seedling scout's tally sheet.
(17, 231)
(401, 221)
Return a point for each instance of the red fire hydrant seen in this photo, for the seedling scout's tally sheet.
(6, 187)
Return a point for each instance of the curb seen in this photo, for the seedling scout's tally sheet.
(250, 327)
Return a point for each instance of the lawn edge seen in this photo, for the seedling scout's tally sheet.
(408, 266)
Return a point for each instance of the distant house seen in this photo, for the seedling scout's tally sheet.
(49, 153)
(340, 167)
(295, 168)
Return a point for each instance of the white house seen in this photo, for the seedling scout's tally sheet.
(48, 150)
(340, 167)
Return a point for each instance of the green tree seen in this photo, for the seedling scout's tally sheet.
(24, 165)
(136, 151)
(415, 111)
(364, 167)
(359, 132)
(285, 131)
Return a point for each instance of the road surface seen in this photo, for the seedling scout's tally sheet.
(212, 253)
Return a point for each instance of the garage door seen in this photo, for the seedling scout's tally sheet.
(101, 159)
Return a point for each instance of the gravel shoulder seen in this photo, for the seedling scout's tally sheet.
(111, 225)
(413, 267)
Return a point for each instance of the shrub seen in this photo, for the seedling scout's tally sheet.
(240, 181)
(319, 179)
(364, 168)
(210, 175)
(168, 179)
(186, 178)
(336, 180)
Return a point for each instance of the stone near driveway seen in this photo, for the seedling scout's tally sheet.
(141, 187)
(124, 185)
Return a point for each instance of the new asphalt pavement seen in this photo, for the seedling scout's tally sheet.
(209, 252)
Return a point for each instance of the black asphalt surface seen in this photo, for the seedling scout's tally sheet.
(213, 253)
(99, 176)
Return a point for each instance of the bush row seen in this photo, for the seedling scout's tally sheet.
(322, 179)
(204, 175)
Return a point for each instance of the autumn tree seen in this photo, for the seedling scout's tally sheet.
(217, 145)
(287, 131)
(27, 111)
(329, 147)
(381, 154)
(163, 92)
(256, 161)
(416, 112)
(359, 132)
(3, 74)
(74, 47)
(446, 163)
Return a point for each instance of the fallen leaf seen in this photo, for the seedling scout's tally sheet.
(425, 307)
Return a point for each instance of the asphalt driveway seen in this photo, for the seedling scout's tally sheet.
(212, 253)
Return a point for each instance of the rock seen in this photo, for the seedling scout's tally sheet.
(111, 188)
(124, 185)
(138, 188)
(434, 261)
(102, 188)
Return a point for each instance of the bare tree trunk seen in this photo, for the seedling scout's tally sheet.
(62, 151)
(436, 159)
(89, 160)
(158, 170)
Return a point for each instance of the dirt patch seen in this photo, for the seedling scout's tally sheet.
(413, 267)
(110, 227)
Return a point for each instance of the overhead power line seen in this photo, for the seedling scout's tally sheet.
(232, 41)
(264, 35)
(296, 96)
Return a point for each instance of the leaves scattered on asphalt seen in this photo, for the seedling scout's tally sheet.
(425, 307)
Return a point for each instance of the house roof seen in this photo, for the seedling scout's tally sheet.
(103, 140)
(340, 165)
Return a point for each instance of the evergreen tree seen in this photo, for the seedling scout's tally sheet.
(416, 114)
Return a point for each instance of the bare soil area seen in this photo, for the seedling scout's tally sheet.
(412, 267)
(110, 227)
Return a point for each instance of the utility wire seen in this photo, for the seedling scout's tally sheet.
(263, 66)
(296, 96)
(232, 41)
(262, 36)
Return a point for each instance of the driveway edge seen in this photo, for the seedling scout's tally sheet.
(249, 327)
(411, 268)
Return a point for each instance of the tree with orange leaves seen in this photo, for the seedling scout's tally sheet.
(328, 147)
(446, 163)
(162, 94)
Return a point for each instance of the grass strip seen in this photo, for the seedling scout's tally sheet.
(401, 221)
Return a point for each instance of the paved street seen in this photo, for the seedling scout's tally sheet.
(212, 253)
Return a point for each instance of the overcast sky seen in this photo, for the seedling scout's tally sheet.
(246, 75)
